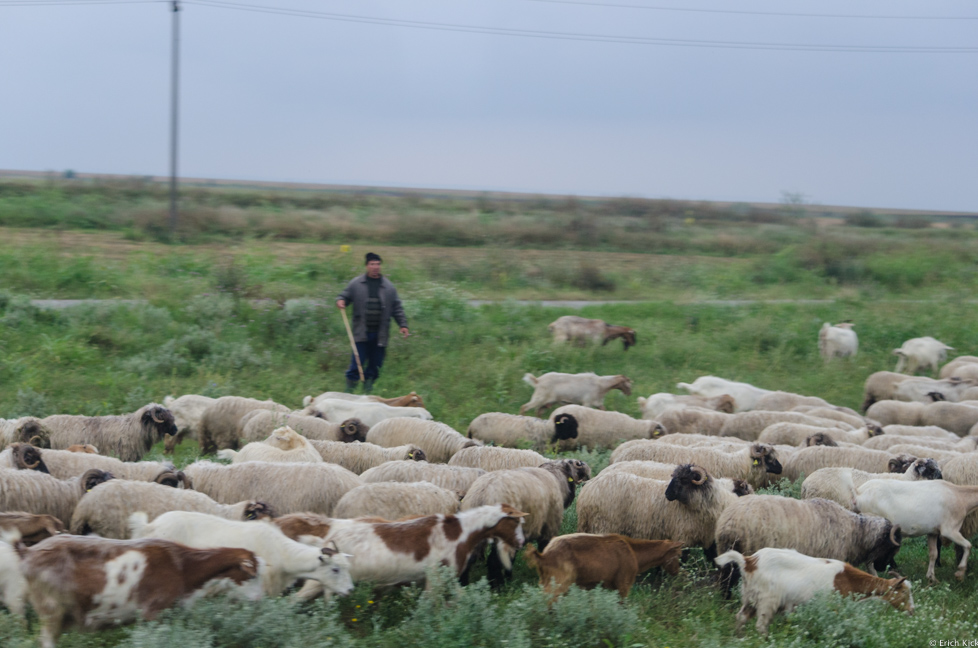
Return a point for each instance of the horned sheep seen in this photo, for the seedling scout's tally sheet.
(27, 429)
(588, 389)
(510, 430)
(664, 472)
(581, 331)
(35, 492)
(602, 429)
(808, 460)
(286, 488)
(258, 424)
(754, 464)
(106, 512)
(128, 436)
(220, 424)
(839, 484)
(360, 457)
(439, 441)
(63, 464)
(454, 478)
(394, 501)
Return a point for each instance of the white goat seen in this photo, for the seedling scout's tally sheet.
(587, 389)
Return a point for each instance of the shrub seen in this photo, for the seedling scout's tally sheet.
(864, 219)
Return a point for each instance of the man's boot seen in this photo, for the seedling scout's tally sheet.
(351, 386)
(368, 385)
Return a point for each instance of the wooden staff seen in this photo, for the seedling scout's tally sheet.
(353, 343)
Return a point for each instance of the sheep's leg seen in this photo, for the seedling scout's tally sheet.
(933, 546)
(954, 535)
(497, 573)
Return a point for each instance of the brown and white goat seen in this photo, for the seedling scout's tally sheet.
(780, 579)
(612, 561)
(581, 331)
(92, 582)
(31, 527)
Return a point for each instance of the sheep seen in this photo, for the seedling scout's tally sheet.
(490, 458)
(285, 559)
(34, 492)
(258, 424)
(685, 508)
(284, 445)
(926, 431)
(935, 508)
(963, 371)
(510, 430)
(187, 411)
(796, 434)
(814, 527)
(359, 457)
(881, 386)
(894, 412)
(27, 429)
(808, 460)
(920, 389)
(128, 436)
(963, 471)
(838, 341)
(220, 424)
(63, 464)
(745, 395)
(701, 440)
(581, 331)
(839, 484)
(843, 414)
(692, 420)
(438, 440)
(32, 527)
(749, 425)
(656, 404)
(394, 501)
(887, 441)
(454, 478)
(338, 410)
(937, 454)
(921, 353)
(106, 512)
(601, 429)
(664, 472)
(542, 492)
(781, 579)
(950, 369)
(611, 560)
(581, 389)
(286, 488)
(408, 400)
(754, 464)
(953, 417)
(782, 401)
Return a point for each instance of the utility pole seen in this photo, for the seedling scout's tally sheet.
(174, 92)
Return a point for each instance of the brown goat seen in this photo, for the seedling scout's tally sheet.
(85, 448)
(612, 561)
(32, 527)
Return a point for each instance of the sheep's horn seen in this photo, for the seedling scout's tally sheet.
(35, 438)
(893, 535)
(757, 451)
(155, 418)
(703, 476)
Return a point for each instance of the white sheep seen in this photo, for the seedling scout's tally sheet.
(63, 464)
(657, 404)
(664, 472)
(963, 471)
(581, 331)
(961, 362)
(958, 418)
(602, 429)
(921, 353)
(929, 431)
(438, 440)
(842, 414)
(338, 410)
(34, 492)
(745, 395)
(581, 389)
(749, 425)
(106, 512)
(220, 424)
(693, 420)
(284, 445)
(453, 478)
(807, 460)
(838, 341)
(920, 389)
(697, 440)
(491, 458)
(796, 434)
(128, 436)
(881, 386)
(396, 500)
(359, 457)
(894, 412)
(887, 441)
(27, 429)
(782, 401)
(187, 411)
(285, 487)
(258, 424)
(510, 430)
(755, 464)
(839, 484)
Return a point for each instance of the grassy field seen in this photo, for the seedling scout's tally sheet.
(251, 315)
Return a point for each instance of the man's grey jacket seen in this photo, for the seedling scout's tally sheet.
(356, 293)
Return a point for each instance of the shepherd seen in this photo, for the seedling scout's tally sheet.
(375, 301)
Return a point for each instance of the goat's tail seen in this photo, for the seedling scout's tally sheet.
(530, 379)
(731, 556)
(137, 521)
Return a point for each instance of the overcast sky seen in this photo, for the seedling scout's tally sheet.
(276, 97)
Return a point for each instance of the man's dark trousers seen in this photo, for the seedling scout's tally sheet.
(371, 357)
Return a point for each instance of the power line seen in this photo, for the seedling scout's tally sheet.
(51, 3)
(748, 13)
(576, 36)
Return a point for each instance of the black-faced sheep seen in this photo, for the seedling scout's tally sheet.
(128, 436)
(808, 460)
(35, 492)
(839, 484)
(602, 429)
(439, 441)
(510, 430)
(27, 429)
(258, 424)
(64, 464)
(756, 464)
(796, 434)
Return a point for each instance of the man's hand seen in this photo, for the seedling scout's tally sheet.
(405, 332)
(340, 303)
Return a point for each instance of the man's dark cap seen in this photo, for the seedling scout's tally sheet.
(372, 257)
